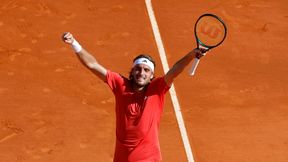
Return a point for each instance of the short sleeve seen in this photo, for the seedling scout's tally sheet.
(159, 85)
(114, 80)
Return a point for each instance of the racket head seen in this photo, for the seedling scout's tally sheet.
(210, 31)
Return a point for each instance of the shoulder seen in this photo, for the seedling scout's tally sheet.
(159, 84)
(115, 80)
(115, 76)
(159, 80)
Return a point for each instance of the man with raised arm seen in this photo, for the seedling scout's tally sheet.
(139, 101)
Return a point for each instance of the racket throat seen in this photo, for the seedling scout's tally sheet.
(201, 46)
(203, 49)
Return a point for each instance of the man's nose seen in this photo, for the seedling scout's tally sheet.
(142, 71)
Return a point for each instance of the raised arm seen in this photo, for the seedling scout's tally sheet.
(180, 65)
(85, 57)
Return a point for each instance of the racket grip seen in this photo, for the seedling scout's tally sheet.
(194, 66)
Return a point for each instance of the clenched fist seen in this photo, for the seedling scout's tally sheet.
(67, 38)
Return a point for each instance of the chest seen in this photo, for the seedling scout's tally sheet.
(134, 104)
(134, 107)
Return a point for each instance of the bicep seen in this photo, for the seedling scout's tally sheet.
(99, 71)
(89, 60)
(169, 77)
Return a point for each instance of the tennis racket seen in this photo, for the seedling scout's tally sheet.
(210, 31)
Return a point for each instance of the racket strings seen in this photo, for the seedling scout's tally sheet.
(210, 31)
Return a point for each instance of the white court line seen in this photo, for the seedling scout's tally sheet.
(172, 89)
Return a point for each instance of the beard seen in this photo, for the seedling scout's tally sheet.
(140, 81)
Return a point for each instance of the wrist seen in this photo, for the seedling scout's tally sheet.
(192, 54)
(197, 55)
(76, 46)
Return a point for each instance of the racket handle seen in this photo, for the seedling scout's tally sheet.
(194, 66)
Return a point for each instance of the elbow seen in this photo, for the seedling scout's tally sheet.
(91, 65)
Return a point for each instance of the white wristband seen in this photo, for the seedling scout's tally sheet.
(76, 46)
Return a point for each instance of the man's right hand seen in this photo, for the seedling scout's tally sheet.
(67, 38)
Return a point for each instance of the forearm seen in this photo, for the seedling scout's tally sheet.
(85, 57)
(90, 61)
(180, 65)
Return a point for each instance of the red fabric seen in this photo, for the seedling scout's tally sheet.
(137, 119)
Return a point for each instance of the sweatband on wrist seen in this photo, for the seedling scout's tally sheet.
(76, 46)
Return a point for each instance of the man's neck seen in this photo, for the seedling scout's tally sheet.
(138, 88)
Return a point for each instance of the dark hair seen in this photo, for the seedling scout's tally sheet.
(141, 56)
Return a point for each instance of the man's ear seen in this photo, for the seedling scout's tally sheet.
(152, 76)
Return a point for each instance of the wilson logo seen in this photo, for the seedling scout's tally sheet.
(210, 31)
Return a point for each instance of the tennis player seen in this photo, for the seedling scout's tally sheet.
(139, 102)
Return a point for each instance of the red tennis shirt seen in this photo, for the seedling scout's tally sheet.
(137, 119)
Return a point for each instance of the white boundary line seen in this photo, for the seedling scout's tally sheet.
(172, 89)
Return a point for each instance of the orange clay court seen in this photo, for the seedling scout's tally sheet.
(52, 109)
